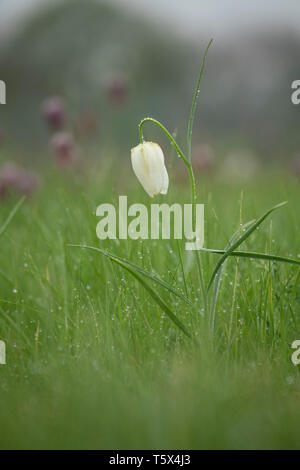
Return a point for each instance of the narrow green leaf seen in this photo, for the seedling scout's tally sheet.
(157, 299)
(139, 270)
(253, 255)
(219, 273)
(11, 215)
(194, 103)
(17, 328)
(241, 239)
(162, 304)
(182, 266)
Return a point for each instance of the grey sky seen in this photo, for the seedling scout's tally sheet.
(191, 18)
(217, 18)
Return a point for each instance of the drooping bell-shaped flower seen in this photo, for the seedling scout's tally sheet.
(149, 167)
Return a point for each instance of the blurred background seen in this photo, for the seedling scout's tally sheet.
(82, 73)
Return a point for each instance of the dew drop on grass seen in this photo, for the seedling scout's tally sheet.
(15, 291)
(290, 380)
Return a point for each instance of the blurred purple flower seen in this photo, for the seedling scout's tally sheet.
(53, 110)
(10, 173)
(14, 177)
(62, 144)
(203, 158)
(117, 89)
(26, 183)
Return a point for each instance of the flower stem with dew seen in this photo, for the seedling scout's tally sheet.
(193, 191)
(177, 148)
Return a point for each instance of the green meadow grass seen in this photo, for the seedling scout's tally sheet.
(93, 362)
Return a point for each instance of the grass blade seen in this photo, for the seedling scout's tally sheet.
(182, 266)
(139, 270)
(241, 239)
(254, 255)
(11, 215)
(219, 273)
(128, 267)
(193, 108)
(157, 299)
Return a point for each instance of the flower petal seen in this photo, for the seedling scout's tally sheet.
(149, 167)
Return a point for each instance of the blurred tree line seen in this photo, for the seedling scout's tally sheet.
(119, 69)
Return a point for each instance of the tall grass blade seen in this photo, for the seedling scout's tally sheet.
(241, 239)
(254, 255)
(139, 270)
(182, 266)
(133, 271)
(219, 274)
(11, 215)
(194, 103)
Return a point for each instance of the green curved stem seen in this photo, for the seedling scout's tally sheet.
(193, 190)
(179, 151)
